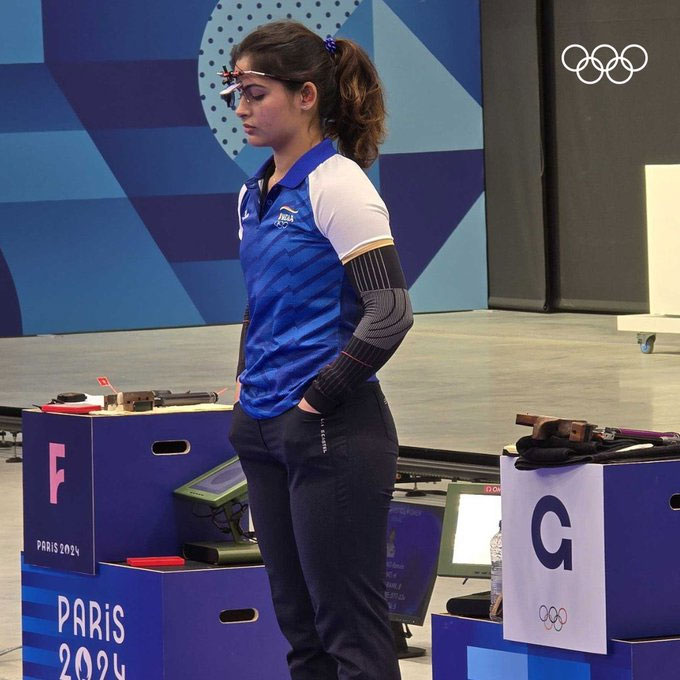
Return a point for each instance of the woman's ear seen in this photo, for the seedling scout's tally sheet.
(309, 96)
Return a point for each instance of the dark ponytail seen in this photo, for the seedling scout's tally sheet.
(358, 122)
(351, 101)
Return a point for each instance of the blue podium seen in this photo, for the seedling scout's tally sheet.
(591, 589)
(155, 624)
(98, 489)
(474, 649)
(591, 553)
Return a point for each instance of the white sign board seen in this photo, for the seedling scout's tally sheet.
(663, 237)
(553, 556)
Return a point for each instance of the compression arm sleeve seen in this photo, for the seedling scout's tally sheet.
(379, 283)
(241, 366)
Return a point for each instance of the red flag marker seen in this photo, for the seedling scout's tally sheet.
(104, 382)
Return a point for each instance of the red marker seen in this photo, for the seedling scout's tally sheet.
(104, 382)
(169, 561)
(70, 408)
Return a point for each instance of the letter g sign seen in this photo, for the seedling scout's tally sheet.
(563, 554)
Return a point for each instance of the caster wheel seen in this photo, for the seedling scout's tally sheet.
(646, 343)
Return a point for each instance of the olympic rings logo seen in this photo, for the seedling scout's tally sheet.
(605, 66)
(552, 617)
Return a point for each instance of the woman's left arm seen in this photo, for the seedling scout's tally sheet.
(379, 283)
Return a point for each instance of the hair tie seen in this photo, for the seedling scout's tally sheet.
(330, 45)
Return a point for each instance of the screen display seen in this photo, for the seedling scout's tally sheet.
(221, 480)
(413, 537)
(478, 518)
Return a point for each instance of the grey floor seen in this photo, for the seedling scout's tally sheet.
(456, 383)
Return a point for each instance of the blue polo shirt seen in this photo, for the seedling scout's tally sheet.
(303, 308)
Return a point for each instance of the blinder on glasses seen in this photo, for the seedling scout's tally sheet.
(229, 78)
(232, 80)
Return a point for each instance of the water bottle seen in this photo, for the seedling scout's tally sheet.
(496, 575)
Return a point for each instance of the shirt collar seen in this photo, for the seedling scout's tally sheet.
(302, 166)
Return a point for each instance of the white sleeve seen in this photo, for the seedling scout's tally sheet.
(347, 209)
(240, 199)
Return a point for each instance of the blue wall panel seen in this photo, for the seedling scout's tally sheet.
(166, 161)
(155, 93)
(125, 30)
(192, 228)
(450, 31)
(37, 102)
(89, 266)
(21, 36)
(53, 166)
(10, 319)
(428, 194)
(119, 159)
(429, 110)
(456, 277)
(359, 27)
(216, 287)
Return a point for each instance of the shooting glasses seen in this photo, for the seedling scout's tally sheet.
(232, 80)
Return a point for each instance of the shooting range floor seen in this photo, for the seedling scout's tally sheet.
(456, 383)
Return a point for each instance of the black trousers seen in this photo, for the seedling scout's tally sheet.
(319, 489)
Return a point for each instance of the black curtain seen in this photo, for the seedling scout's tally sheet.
(605, 133)
(574, 230)
(511, 72)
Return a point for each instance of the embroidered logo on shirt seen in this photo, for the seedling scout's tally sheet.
(285, 217)
(246, 214)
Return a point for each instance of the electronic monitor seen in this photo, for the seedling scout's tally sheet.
(473, 512)
(413, 536)
(218, 486)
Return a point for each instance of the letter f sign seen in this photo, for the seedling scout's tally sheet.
(56, 476)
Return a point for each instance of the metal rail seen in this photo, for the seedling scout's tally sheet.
(456, 465)
(10, 419)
